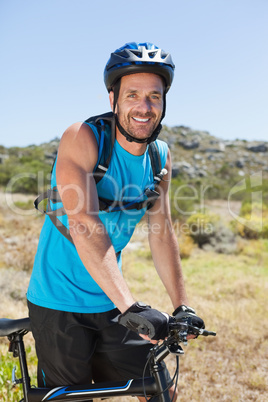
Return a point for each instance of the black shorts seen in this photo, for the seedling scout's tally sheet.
(74, 348)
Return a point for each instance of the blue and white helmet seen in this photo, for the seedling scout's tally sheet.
(135, 58)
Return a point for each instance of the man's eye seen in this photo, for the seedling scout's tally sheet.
(131, 95)
(155, 97)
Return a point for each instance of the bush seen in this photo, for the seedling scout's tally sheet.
(253, 222)
(27, 173)
(186, 245)
(201, 227)
(255, 227)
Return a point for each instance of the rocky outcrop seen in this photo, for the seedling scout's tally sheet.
(258, 148)
(189, 144)
(198, 154)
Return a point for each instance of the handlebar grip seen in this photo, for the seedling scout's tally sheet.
(204, 332)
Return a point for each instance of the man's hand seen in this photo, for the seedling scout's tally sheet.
(151, 324)
(187, 314)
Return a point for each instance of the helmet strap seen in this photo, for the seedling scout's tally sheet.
(116, 89)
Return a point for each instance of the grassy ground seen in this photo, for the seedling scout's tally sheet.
(229, 292)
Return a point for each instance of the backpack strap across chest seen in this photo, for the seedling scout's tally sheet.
(145, 200)
(105, 147)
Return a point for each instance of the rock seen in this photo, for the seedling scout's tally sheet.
(198, 157)
(184, 131)
(175, 171)
(226, 248)
(230, 144)
(211, 158)
(202, 173)
(185, 165)
(220, 148)
(258, 148)
(208, 247)
(50, 155)
(12, 241)
(239, 163)
(3, 157)
(189, 144)
(187, 168)
(223, 241)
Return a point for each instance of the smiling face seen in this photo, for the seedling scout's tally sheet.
(140, 104)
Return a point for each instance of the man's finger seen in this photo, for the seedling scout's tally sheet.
(146, 337)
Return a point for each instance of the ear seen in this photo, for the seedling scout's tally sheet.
(111, 99)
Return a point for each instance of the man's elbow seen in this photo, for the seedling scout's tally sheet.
(84, 226)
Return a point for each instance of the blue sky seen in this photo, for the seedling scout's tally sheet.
(53, 54)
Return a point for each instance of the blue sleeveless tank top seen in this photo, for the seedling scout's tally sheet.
(59, 279)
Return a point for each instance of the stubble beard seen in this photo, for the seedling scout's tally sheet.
(141, 132)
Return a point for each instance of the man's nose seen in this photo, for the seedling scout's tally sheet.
(144, 105)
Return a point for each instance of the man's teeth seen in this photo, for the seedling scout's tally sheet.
(142, 120)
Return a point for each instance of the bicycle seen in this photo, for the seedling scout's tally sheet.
(154, 388)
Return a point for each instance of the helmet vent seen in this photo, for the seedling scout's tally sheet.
(152, 54)
(163, 55)
(137, 53)
(124, 54)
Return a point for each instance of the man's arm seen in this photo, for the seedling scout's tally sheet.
(77, 157)
(164, 245)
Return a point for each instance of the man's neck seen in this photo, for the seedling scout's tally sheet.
(133, 147)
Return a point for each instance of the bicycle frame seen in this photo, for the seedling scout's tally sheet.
(156, 386)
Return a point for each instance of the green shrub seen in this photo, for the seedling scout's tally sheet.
(186, 245)
(253, 227)
(253, 221)
(201, 227)
(25, 171)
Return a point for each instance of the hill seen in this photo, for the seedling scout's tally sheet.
(196, 155)
(199, 154)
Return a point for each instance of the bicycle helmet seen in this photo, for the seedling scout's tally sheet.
(136, 57)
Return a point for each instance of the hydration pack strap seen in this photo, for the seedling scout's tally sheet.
(150, 192)
(103, 165)
(115, 206)
(53, 196)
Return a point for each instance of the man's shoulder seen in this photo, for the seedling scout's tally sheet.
(162, 146)
(78, 143)
(77, 135)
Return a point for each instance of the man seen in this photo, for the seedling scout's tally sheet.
(77, 291)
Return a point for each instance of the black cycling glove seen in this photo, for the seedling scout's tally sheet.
(145, 320)
(187, 314)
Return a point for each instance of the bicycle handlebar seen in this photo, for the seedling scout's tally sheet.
(190, 329)
(178, 332)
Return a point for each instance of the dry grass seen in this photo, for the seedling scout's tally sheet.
(229, 292)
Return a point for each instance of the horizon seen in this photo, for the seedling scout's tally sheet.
(58, 138)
